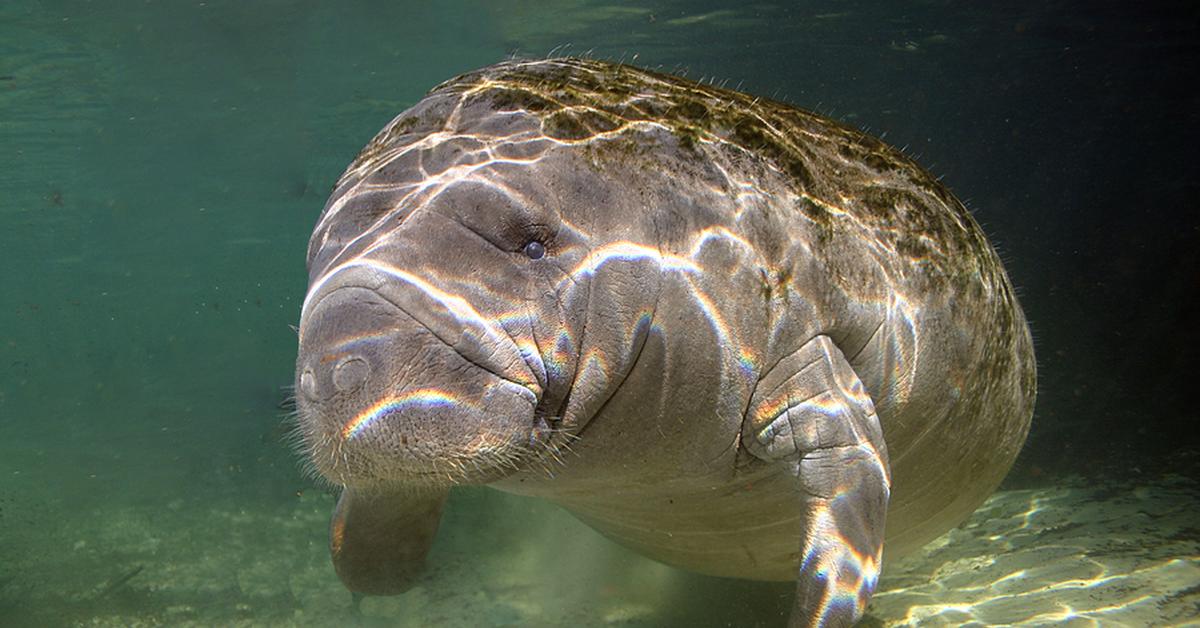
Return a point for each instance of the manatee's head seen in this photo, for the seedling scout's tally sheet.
(486, 274)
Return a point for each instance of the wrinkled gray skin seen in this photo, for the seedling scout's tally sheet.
(760, 334)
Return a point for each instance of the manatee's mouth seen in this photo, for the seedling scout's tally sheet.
(430, 436)
(539, 447)
(435, 394)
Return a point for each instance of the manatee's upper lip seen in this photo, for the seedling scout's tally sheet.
(475, 337)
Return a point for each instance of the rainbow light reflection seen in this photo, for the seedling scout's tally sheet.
(423, 397)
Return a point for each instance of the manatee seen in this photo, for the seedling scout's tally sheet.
(732, 335)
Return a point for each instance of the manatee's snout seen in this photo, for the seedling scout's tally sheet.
(347, 340)
(398, 383)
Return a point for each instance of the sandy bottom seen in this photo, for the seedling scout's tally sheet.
(1070, 555)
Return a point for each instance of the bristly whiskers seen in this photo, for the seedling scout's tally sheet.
(331, 463)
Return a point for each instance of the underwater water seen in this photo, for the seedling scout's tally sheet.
(161, 168)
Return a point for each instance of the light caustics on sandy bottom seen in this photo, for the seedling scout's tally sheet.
(1052, 556)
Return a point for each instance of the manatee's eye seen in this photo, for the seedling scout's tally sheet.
(535, 250)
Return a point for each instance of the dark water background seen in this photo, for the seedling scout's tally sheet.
(162, 164)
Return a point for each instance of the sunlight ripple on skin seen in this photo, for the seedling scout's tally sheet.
(427, 397)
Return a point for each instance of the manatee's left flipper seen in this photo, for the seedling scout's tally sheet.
(811, 413)
(379, 539)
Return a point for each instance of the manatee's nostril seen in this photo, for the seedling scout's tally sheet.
(350, 374)
(308, 384)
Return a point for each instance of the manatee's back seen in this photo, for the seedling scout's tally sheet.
(927, 315)
(916, 298)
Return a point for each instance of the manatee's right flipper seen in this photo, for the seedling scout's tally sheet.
(379, 539)
(811, 413)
